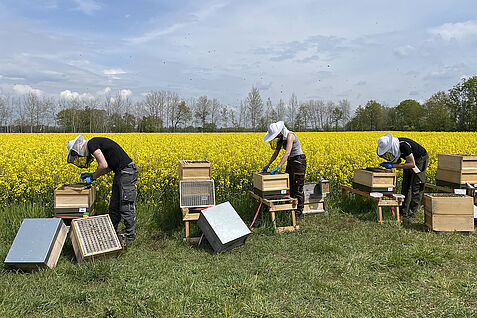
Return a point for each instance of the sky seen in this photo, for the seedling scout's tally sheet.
(387, 51)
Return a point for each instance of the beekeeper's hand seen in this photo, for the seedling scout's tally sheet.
(87, 177)
(265, 169)
(274, 171)
(386, 165)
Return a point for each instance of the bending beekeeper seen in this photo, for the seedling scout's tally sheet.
(280, 137)
(394, 149)
(110, 157)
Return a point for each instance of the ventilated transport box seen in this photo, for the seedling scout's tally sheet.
(38, 244)
(74, 199)
(271, 186)
(456, 169)
(93, 238)
(448, 212)
(374, 180)
(195, 170)
(196, 193)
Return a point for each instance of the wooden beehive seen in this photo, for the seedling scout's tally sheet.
(456, 169)
(268, 185)
(195, 170)
(374, 180)
(94, 237)
(448, 212)
(313, 206)
(74, 199)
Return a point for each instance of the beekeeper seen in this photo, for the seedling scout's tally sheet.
(110, 157)
(394, 149)
(280, 137)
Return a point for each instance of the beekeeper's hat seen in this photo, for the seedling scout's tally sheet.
(385, 144)
(273, 131)
(77, 148)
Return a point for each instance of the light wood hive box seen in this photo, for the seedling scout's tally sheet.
(264, 181)
(375, 179)
(75, 195)
(456, 168)
(195, 170)
(448, 212)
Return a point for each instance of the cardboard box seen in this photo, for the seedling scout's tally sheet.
(374, 180)
(267, 185)
(195, 170)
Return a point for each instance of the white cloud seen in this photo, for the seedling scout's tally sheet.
(125, 93)
(26, 89)
(67, 94)
(458, 31)
(87, 6)
(114, 71)
(404, 51)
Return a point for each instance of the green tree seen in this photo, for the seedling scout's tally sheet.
(409, 115)
(463, 104)
(438, 113)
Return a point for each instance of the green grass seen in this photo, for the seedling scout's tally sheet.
(341, 265)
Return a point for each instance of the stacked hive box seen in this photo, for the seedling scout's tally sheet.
(454, 170)
(448, 212)
(315, 194)
(374, 180)
(271, 186)
(196, 189)
(74, 200)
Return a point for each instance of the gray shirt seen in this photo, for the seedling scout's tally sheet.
(296, 147)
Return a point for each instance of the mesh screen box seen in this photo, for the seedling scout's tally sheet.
(94, 237)
(196, 193)
(448, 212)
(271, 186)
(455, 169)
(223, 227)
(38, 244)
(74, 199)
(195, 170)
(374, 180)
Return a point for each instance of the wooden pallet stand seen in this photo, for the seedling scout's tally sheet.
(382, 201)
(277, 205)
(188, 215)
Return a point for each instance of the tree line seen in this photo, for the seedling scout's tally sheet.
(165, 111)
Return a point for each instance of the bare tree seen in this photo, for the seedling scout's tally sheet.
(345, 109)
(182, 114)
(215, 108)
(281, 110)
(292, 110)
(6, 112)
(202, 110)
(255, 107)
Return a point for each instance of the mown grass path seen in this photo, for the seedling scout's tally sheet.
(341, 265)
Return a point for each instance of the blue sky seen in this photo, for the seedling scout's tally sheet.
(330, 50)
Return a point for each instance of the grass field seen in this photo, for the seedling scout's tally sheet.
(341, 265)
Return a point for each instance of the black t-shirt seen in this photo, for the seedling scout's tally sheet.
(115, 156)
(408, 146)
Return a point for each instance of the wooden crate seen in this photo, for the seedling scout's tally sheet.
(314, 206)
(94, 238)
(74, 196)
(448, 212)
(374, 180)
(457, 168)
(195, 170)
(269, 185)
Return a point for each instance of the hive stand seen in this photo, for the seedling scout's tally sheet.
(188, 216)
(276, 205)
(383, 201)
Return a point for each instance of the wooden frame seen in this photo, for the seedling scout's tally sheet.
(288, 204)
(187, 217)
(195, 170)
(381, 202)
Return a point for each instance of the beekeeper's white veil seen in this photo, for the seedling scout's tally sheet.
(388, 148)
(78, 153)
(274, 129)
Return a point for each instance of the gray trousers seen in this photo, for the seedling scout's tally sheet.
(123, 198)
(413, 186)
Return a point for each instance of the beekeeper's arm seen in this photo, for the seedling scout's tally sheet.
(103, 167)
(290, 140)
(409, 164)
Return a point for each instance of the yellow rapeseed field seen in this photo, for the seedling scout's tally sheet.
(32, 165)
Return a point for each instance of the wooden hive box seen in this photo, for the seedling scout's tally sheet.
(195, 170)
(374, 180)
(38, 244)
(94, 237)
(76, 198)
(456, 169)
(313, 206)
(448, 212)
(269, 186)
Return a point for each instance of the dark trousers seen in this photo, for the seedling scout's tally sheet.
(296, 168)
(413, 186)
(123, 198)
